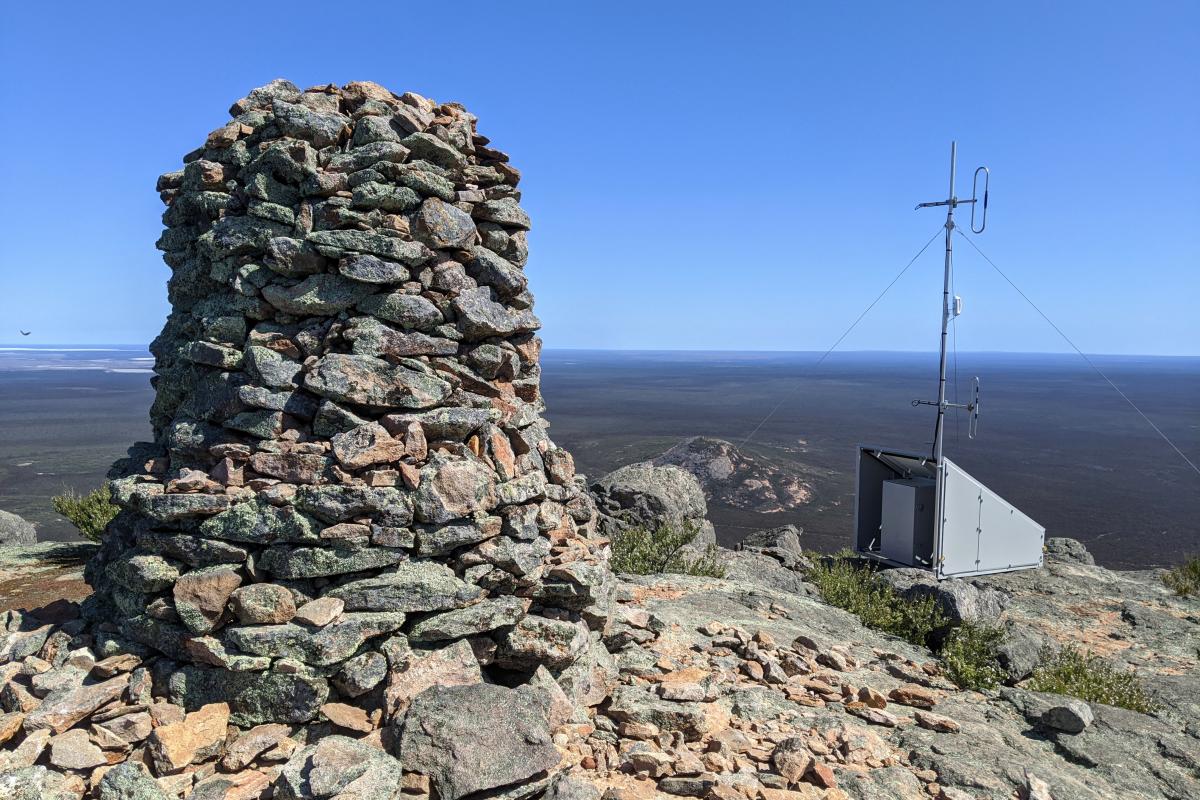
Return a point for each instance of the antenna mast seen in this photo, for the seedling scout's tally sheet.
(951, 309)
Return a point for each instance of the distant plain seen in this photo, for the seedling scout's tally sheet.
(1054, 439)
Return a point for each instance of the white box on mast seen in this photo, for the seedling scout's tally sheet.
(971, 530)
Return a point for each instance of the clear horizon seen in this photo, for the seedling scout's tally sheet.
(114, 346)
(697, 179)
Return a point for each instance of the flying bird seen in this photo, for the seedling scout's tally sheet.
(24, 333)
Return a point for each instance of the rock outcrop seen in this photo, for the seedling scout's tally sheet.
(646, 495)
(14, 530)
(736, 479)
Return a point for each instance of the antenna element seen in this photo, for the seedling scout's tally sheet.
(953, 307)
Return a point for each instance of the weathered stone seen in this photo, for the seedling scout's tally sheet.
(129, 781)
(410, 311)
(263, 604)
(348, 717)
(792, 759)
(432, 149)
(372, 269)
(196, 737)
(454, 488)
(486, 615)
(412, 586)
(910, 694)
(936, 722)
(505, 739)
(320, 612)
(62, 710)
(480, 316)
(366, 445)
(261, 523)
(455, 665)
(201, 595)
(537, 640)
(638, 704)
(74, 750)
(335, 642)
(373, 382)
(504, 211)
(260, 424)
(494, 270)
(253, 697)
(319, 562)
(441, 225)
(361, 674)
(271, 369)
(1070, 716)
(131, 728)
(336, 244)
(373, 338)
(339, 503)
(322, 294)
(646, 495)
(250, 784)
(340, 768)
(304, 123)
(292, 467)
(960, 601)
(293, 258)
(252, 743)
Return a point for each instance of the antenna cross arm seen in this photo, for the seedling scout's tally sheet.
(947, 404)
(954, 202)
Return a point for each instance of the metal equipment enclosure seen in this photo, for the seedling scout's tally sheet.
(969, 531)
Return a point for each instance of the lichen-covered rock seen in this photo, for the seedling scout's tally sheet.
(129, 781)
(503, 741)
(16, 531)
(649, 496)
(340, 768)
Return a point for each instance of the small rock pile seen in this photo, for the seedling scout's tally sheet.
(725, 717)
(75, 726)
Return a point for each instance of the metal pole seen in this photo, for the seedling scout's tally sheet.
(941, 412)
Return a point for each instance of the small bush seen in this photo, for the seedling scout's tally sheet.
(1184, 580)
(847, 584)
(1092, 678)
(969, 655)
(645, 552)
(90, 512)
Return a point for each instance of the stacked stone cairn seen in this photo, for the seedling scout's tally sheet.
(351, 496)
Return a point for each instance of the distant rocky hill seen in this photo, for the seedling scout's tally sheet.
(737, 479)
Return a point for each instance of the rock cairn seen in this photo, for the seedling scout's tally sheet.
(351, 495)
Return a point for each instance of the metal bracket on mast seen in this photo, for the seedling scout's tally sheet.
(951, 309)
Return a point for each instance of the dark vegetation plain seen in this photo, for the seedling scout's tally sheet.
(1055, 440)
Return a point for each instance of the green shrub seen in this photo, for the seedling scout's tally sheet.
(846, 583)
(645, 552)
(969, 655)
(1090, 677)
(1184, 580)
(90, 512)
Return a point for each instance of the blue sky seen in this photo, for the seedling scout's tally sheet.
(700, 175)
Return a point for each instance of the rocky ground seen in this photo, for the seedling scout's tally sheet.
(748, 687)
